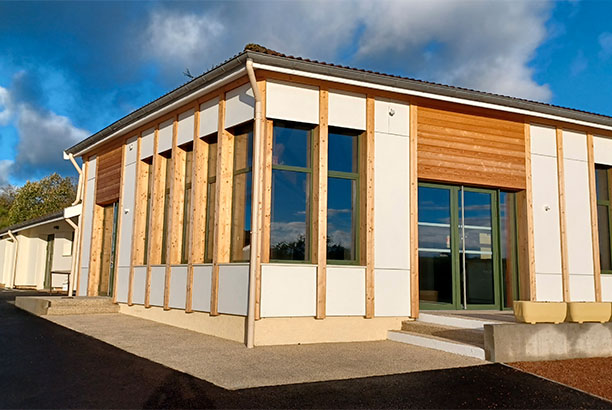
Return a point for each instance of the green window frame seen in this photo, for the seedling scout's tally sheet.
(603, 178)
(187, 208)
(149, 165)
(354, 177)
(242, 185)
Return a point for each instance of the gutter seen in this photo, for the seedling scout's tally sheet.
(16, 241)
(255, 203)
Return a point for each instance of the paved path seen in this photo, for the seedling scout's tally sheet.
(43, 365)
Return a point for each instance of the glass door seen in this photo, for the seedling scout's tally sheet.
(109, 241)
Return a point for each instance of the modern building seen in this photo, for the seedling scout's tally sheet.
(279, 200)
(37, 254)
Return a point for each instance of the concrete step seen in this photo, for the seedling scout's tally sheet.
(440, 318)
(62, 305)
(462, 341)
(80, 301)
(81, 310)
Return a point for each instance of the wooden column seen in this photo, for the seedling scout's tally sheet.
(223, 209)
(594, 220)
(156, 216)
(140, 215)
(414, 214)
(562, 216)
(95, 249)
(263, 254)
(367, 207)
(526, 247)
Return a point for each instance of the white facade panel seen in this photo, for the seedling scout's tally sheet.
(123, 284)
(582, 288)
(185, 127)
(547, 234)
(200, 297)
(549, 288)
(234, 289)
(345, 291)
(93, 164)
(127, 215)
(288, 290)
(543, 140)
(178, 287)
(146, 143)
(87, 219)
(347, 110)
(292, 102)
(158, 284)
(391, 217)
(392, 292)
(574, 146)
(239, 106)
(391, 117)
(578, 217)
(606, 288)
(82, 290)
(164, 136)
(602, 150)
(131, 150)
(209, 117)
(139, 285)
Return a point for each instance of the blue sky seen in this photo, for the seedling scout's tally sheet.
(68, 69)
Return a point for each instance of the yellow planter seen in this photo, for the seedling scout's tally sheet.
(540, 312)
(581, 312)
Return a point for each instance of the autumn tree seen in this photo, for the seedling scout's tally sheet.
(7, 197)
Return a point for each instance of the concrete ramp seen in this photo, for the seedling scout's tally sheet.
(63, 305)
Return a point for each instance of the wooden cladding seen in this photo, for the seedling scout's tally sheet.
(471, 146)
(109, 177)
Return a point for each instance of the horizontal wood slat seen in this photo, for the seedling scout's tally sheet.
(108, 182)
(467, 146)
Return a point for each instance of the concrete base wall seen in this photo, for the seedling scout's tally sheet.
(223, 326)
(526, 342)
(295, 330)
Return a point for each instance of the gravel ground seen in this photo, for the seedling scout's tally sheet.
(590, 375)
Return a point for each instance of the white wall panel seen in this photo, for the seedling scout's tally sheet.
(606, 288)
(178, 287)
(127, 215)
(292, 102)
(574, 146)
(543, 140)
(87, 219)
(582, 288)
(391, 217)
(602, 150)
(164, 136)
(547, 234)
(549, 288)
(234, 289)
(146, 143)
(200, 298)
(82, 290)
(347, 110)
(578, 217)
(139, 285)
(345, 291)
(123, 284)
(209, 117)
(392, 292)
(131, 150)
(239, 106)
(185, 127)
(391, 117)
(158, 283)
(288, 290)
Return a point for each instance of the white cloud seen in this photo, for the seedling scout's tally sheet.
(5, 109)
(5, 167)
(605, 43)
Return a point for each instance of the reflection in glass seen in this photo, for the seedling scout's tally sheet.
(291, 145)
(601, 181)
(480, 284)
(289, 231)
(435, 277)
(241, 218)
(508, 244)
(210, 221)
(342, 148)
(187, 209)
(434, 205)
(604, 237)
(341, 219)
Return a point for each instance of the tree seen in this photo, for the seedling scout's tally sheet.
(7, 197)
(40, 198)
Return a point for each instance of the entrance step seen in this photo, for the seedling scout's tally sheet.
(465, 320)
(62, 305)
(458, 340)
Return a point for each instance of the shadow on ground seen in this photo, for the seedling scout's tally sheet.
(44, 365)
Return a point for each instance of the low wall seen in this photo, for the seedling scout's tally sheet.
(527, 342)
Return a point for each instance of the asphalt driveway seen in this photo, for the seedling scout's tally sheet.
(44, 365)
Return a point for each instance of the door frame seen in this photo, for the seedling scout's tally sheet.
(48, 282)
(113, 250)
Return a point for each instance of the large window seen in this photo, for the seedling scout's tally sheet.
(291, 188)
(211, 186)
(187, 208)
(167, 205)
(603, 178)
(342, 195)
(241, 197)
(148, 164)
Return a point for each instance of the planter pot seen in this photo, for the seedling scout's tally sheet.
(580, 312)
(540, 312)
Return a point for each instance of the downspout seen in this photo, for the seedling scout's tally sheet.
(77, 232)
(250, 337)
(80, 182)
(14, 276)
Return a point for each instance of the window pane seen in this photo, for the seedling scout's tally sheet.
(342, 151)
(243, 146)
(212, 160)
(604, 237)
(241, 218)
(187, 207)
(434, 206)
(435, 277)
(149, 167)
(210, 222)
(290, 227)
(508, 244)
(291, 146)
(601, 181)
(341, 215)
(167, 208)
